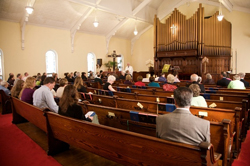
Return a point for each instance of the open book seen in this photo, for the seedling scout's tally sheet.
(90, 113)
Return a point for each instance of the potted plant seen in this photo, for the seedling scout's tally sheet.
(108, 65)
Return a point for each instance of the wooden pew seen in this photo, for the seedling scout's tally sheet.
(5, 102)
(125, 147)
(23, 112)
(214, 114)
(120, 118)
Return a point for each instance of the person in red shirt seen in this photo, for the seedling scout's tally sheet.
(169, 85)
(139, 81)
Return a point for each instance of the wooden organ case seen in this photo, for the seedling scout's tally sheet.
(185, 42)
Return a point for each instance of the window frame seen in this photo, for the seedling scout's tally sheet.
(2, 60)
(56, 59)
(94, 60)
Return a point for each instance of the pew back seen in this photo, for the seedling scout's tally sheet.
(126, 147)
(23, 111)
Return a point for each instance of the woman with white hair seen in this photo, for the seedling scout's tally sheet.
(169, 85)
(108, 84)
(236, 83)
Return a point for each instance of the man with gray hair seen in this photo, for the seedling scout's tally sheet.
(194, 79)
(4, 85)
(242, 76)
(181, 125)
(236, 83)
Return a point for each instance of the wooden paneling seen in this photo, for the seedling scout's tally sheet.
(192, 40)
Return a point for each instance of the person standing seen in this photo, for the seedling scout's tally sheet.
(129, 68)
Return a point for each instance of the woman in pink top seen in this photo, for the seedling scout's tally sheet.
(139, 81)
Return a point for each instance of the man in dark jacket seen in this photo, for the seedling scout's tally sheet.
(194, 80)
(242, 76)
(223, 81)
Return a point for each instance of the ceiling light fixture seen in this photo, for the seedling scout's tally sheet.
(96, 23)
(29, 9)
(220, 16)
(135, 31)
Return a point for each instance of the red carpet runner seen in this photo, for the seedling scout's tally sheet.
(244, 157)
(18, 149)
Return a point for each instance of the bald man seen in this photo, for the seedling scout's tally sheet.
(194, 80)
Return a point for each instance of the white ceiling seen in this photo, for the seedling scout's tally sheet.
(116, 17)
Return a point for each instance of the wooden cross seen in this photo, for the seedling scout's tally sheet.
(114, 55)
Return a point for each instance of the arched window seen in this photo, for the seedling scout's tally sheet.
(120, 65)
(51, 62)
(1, 65)
(91, 59)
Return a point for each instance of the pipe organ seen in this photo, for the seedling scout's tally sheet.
(185, 42)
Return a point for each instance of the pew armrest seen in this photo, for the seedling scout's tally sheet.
(205, 146)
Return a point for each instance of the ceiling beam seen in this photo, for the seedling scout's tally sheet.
(140, 7)
(78, 24)
(120, 24)
(128, 14)
(227, 4)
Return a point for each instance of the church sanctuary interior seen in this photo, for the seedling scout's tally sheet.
(154, 37)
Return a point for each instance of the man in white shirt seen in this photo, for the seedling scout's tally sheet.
(129, 68)
(43, 97)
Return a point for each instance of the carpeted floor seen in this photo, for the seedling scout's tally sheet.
(244, 157)
(18, 149)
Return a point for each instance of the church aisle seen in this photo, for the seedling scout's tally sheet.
(244, 156)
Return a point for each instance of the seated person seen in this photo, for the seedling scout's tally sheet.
(11, 79)
(209, 79)
(16, 89)
(181, 125)
(38, 80)
(108, 84)
(79, 85)
(242, 76)
(169, 85)
(176, 79)
(152, 83)
(27, 92)
(122, 76)
(98, 79)
(91, 76)
(162, 78)
(70, 77)
(197, 100)
(62, 83)
(84, 77)
(128, 80)
(127, 73)
(236, 83)
(43, 98)
(139, 81)
(4, 86)
(68, 104)
(194, 79)
(223, 81)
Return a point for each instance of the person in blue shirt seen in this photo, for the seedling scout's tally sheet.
(152, 83)
(162, 78)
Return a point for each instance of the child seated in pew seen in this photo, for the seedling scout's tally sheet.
(68, 104)
(197, 100)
